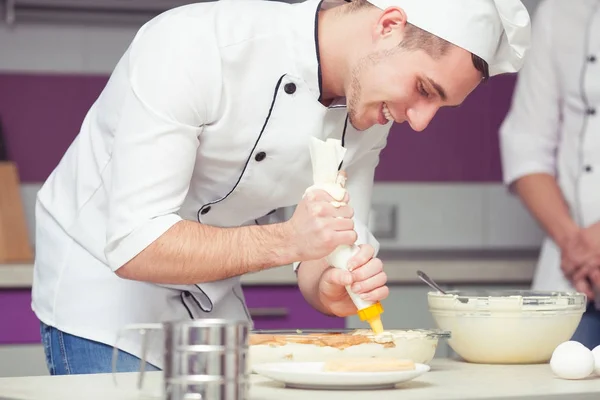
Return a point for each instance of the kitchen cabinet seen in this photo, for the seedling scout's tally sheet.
(21, 351)
(284, 307)
(15, 312)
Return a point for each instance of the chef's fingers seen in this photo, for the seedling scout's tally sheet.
(379, 294)
(578, 255)
(583, 271)
(363, 256)
(368, 285)
(568, 267)
(342, 224)
(586, 269)
(325, 209)
(595, 278)
(580, 274)
(592, 270)
(333, 278)
(371, 268)
(583, 286)
(343, 212)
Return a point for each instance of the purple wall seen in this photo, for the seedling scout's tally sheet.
(41, 115)
(459, 145)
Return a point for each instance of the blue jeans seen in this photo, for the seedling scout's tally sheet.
(67, 354)
(588, 331)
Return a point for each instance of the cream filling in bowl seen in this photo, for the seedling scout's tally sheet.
(507, 327)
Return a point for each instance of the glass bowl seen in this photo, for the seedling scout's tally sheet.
(418, 345)
(507, 326)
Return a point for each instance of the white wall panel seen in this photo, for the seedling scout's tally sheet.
(434, 216)
(47, 48)
(507, 223)
(33, 48)
(102, 48)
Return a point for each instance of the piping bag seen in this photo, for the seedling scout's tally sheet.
(326, 157)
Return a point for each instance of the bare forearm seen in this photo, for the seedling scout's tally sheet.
(309, 275)
(191, 253)
(543, 198)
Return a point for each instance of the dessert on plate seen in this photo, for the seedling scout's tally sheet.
(416, 345)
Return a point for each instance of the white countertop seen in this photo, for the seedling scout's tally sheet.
(447, 380)
(464, 268)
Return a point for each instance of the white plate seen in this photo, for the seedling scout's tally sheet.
(310, 375)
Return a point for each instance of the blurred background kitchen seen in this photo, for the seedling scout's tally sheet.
(438, 204)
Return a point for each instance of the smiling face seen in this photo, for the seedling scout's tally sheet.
(406, 83)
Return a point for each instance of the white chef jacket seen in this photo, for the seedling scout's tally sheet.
(207, 117)
(553, 125)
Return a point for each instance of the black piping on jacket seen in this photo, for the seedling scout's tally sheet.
(251, 152)
(277, 86)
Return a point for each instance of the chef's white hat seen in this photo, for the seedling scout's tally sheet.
(498, 31)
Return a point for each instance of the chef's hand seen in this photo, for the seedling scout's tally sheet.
(318, 226)
(587, 279)
(582, 248)
(366, 278)
(580, 260)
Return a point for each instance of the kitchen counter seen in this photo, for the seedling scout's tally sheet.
(447, 380)
(444, 267)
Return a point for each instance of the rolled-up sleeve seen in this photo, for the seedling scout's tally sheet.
(529, 133)
(172, 73)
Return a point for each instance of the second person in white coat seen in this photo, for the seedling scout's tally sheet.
(550, 144)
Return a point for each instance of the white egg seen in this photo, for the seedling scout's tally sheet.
(596, 353)
(572, 360)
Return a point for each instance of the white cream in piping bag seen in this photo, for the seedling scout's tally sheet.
(326, 157)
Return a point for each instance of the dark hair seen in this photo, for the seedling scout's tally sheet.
(418, 39)
(481, 65)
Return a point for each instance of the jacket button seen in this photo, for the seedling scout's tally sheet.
(205, 210)
(588, 168)
(260, 156)
(592, 58)
(289, 88)
(591, 111)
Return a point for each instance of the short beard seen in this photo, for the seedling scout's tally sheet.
(355, 91)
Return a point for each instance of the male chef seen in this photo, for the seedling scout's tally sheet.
(551, 150)
(175, 186)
